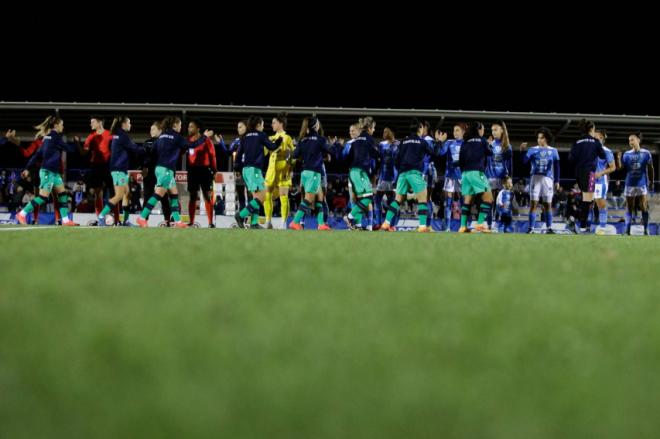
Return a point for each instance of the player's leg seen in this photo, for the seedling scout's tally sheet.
(310, 182)
(484, 209)
(630, 208)
(255, 183)
(63, 200)
(644, 205)
(284, 204)
(422, 210)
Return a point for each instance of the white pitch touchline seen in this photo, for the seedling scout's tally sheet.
(22, 229)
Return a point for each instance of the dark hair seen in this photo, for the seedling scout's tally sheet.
(117, 122)
(169, 122)
(281, 118)
(505, 133)
(639, 135)
(462, 125)
(198, 123)
(586, 126)
(158, 124)
(308, 124)
(415, 125)
(546, 133)
(100, 119)
(253, 122)
(603, 132)
(473, 129)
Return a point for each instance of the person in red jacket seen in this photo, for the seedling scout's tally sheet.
(97, 145)
(202, 167)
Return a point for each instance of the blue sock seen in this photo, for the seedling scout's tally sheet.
(448, 202)
(532, 219)
(395, 220)
(370, 218)
(628, 219)
(429, 204)
(602, 217)
(378, 207)
(489, 217)
(548, 219)
(645, 220)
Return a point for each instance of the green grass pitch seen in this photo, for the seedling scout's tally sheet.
(131, 333)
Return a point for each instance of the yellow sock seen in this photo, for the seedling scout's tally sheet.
(268, 206)
(284, 206)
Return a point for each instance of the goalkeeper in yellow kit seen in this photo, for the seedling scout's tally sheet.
(278, 175)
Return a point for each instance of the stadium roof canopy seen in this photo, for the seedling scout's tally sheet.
(336, 120)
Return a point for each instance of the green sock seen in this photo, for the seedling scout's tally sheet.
(319, 214)
(483, 213)
(64, 206)
(391, 213)
(174, 205)
(255, 219)
(422, 211)
(106, 209)
(246, 212)
(148, 206)
(465, 211)
(300, 214)
(357, 213)
(126, 213)
(37, 201)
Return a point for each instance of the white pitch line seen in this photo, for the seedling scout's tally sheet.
(22, 229)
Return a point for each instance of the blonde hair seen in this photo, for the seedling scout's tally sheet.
(48, 124)
(366, 122)
(388, 134)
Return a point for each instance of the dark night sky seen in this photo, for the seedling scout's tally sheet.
(546, 75)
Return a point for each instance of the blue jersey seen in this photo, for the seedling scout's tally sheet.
(585, 152)
(635, 163)
(544, 161)
(603, 164)
(50, 152)
(169, 147)
(412, 151)
(312, 149)
(453, 150)
(499, 164)
(346, 150)
(504, 202)
(363, 149)
(388, 153)
(251, 148)
(119, 148)
(473, 154)
(233, 146)
(427, 158)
